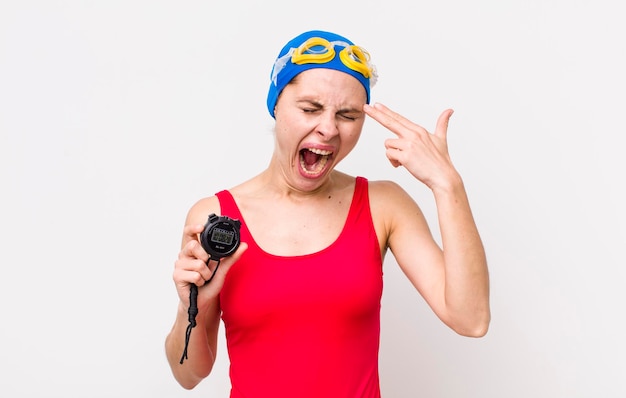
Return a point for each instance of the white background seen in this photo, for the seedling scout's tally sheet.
(115, 116)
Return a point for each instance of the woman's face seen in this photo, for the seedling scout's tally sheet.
(319, 118)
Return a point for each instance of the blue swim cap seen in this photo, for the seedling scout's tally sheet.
(319, 49)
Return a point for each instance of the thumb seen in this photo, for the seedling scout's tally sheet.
(442, 124)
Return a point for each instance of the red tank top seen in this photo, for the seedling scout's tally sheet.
(306, 326)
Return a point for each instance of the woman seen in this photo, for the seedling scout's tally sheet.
(300, 298)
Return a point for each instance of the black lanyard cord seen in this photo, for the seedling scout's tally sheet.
(193, 310)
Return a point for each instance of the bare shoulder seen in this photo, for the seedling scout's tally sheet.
(392, 209)
(389, 194)
(383, 186)
(200, 210)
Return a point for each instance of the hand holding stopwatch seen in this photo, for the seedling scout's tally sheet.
(220, 238)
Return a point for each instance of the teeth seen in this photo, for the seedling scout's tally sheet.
(319, 167)
(320, 151)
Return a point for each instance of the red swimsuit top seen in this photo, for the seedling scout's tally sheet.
(309, 325)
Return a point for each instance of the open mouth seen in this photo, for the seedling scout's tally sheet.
(313, 160)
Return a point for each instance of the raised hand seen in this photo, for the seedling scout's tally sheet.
(423, 154)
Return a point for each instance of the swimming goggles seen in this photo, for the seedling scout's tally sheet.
(317, 50)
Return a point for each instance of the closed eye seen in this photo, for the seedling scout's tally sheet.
(350, 115)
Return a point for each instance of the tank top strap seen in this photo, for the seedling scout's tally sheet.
(360, 190)
(360, 204)
(228, 206)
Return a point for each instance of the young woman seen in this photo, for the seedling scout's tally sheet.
(300, 298)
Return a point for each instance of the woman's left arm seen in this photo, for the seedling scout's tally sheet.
(453, 279)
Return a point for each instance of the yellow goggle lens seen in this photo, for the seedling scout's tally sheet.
(356, 59)
(305, 55)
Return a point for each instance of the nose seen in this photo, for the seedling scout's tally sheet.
(327, 126)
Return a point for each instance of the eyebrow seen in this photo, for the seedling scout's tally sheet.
(310, 102)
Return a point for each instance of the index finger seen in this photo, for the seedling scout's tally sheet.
(391, 120)
(191, 231)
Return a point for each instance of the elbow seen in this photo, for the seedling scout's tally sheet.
(187, 380)
(476, 332)
(192, 372)
(476, 327)
(188, 385)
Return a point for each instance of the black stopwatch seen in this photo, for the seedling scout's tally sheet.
(220, 237)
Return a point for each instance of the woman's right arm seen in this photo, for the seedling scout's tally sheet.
(191, 268)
